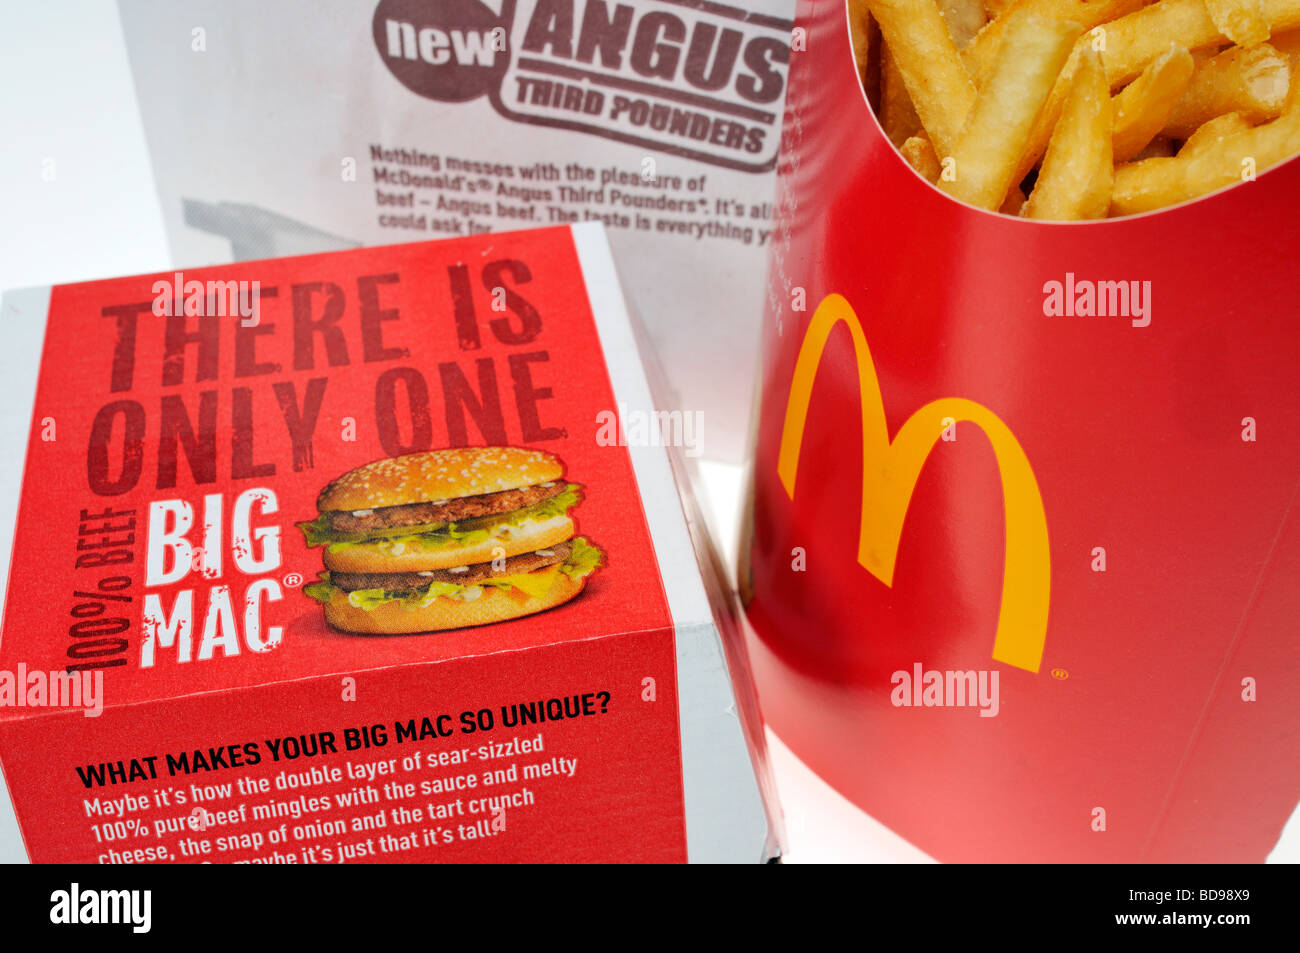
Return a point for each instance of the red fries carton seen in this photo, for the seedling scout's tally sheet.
(1023, 557)
(364, 556)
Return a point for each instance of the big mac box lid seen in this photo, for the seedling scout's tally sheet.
(369, 555)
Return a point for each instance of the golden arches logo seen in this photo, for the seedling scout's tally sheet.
(890, 470)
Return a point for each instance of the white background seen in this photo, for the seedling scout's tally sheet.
(66, 95)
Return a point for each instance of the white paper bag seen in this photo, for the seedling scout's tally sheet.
(288, 127)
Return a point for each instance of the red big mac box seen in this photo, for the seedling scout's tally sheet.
(1021, 562)
(368, 556)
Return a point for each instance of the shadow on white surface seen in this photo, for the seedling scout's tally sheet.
(825, 828)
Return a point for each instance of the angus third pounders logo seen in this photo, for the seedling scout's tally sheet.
(699, 80)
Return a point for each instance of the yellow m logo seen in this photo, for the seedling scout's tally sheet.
(890, 470)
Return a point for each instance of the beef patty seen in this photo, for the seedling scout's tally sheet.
(443, 511)
(418, 581)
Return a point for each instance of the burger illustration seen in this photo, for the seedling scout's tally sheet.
(447, 539)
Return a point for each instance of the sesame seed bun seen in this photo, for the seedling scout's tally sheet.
(381, 556)
(439, 475)
(494, 605)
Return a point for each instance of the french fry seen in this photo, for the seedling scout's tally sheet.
(1201, 94)
(981, 52)
(1036, 143)
(1077, 173)
(1102, 36)
(964, 18)
(860, 34)
(1147, 185)
(1014, 203)
(932, 71)
(1211, 165)
(897, 114)
(919, 153)
(1144, 106)
(1133, 41)
(1212, 131)
(1253, 82)
(1030, 56)
(1095, 38)
(1241, 21)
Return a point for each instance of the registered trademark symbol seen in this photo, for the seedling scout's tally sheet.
(1060, 674)
(293, 580)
